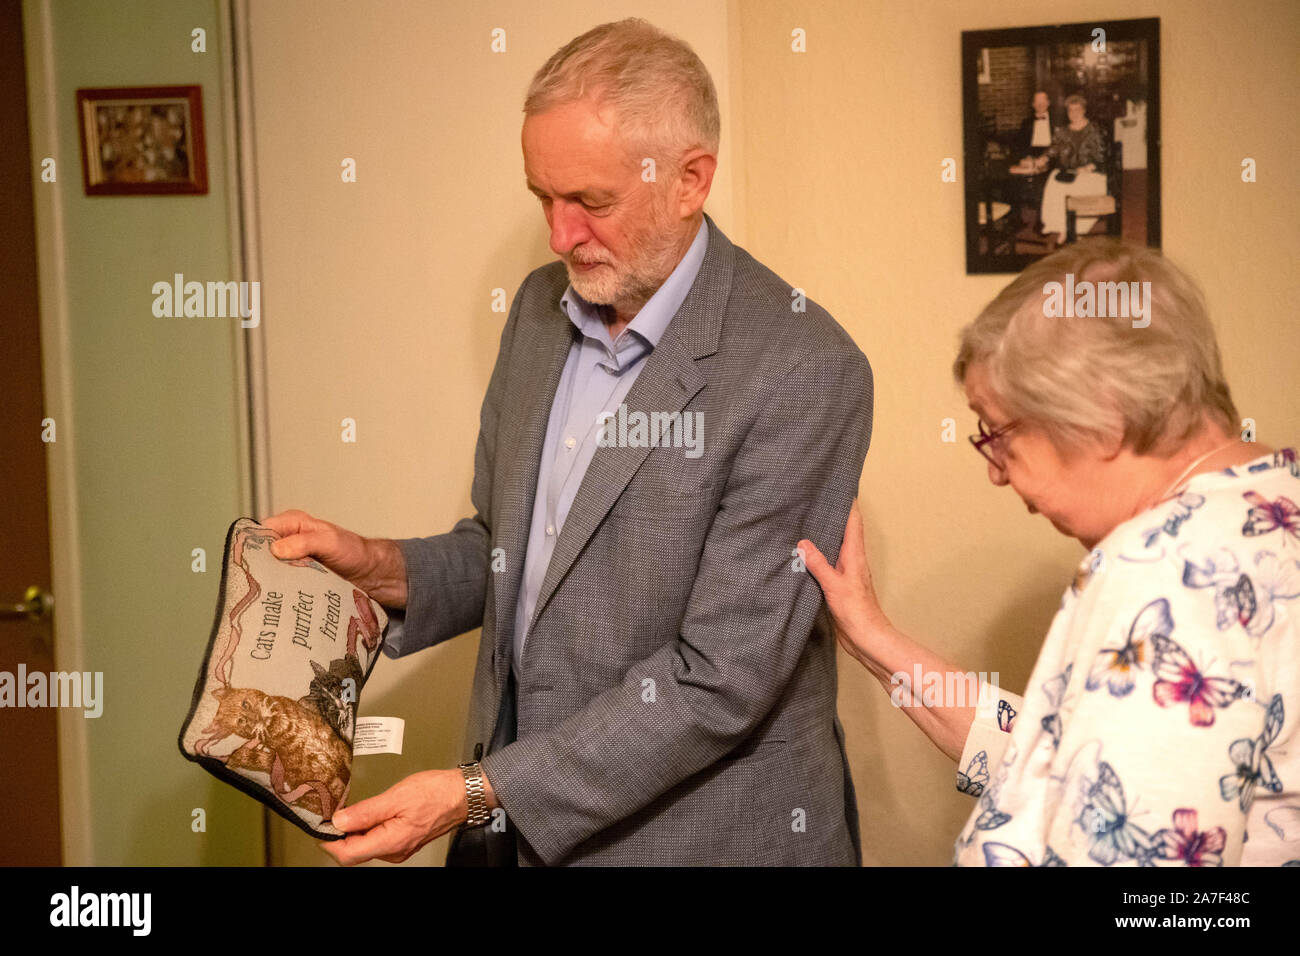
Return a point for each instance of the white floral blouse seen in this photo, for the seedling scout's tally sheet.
(1159, 726)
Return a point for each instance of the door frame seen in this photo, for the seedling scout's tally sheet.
(53, 133)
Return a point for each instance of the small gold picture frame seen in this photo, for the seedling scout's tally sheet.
(142, 140)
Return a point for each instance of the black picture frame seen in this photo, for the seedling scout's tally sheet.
(1005, 211)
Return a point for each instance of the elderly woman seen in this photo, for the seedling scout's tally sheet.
(1079, 150)
(1159, 726)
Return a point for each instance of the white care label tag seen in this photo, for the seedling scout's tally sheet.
(378, 735)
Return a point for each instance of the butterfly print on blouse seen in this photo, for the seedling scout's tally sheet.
(1117, 667)
(1265, 517)
(1254, 768)
(976, 777)
(1105, 820)
(1188, 845)
(1006, 716)
(1054, 690)
(1179, 681)
(1000, 854)
(1179, 512)
(1240, 599)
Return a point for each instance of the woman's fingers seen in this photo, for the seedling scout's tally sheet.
(817, 565)
(853, 553)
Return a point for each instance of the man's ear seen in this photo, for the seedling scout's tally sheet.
(695, 181)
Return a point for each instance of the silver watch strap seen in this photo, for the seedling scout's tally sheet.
(476, 794)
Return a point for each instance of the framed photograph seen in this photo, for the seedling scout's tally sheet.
(143, 140)
(1061, 138)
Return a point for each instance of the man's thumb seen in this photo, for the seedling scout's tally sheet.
(291, 547)
(362, 815)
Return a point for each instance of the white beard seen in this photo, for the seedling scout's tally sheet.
(633, 283)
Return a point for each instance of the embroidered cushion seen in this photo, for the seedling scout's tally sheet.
(274, 707)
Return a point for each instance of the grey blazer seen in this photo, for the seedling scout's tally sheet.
(676, 703)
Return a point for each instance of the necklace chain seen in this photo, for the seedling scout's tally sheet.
(1177, 483)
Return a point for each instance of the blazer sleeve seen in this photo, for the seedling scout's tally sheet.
(747, 621)
(447, 574)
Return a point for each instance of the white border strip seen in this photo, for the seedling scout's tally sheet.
(246, 234)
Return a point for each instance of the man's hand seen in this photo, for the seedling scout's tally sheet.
(375, 565)
(403, 818)
(397, 822)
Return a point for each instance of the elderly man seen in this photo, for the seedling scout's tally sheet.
(1035, 133)
(665, 421)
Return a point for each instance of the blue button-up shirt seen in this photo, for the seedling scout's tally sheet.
(598, 374)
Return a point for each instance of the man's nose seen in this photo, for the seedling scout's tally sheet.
(568, 227)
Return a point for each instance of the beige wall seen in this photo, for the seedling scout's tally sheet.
(377, 294)
(844, 198)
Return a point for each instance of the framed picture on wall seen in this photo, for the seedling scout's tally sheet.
(143, 140)
(1061, 138)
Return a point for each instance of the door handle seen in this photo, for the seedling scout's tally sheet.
(36, 605)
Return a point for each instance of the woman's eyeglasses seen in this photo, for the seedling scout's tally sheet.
(987, 443)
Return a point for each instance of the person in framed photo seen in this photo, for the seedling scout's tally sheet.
(1035, 135)
(1078, 153)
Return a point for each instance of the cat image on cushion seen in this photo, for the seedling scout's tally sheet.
(309, 764)
(330, 693)
(333, 697)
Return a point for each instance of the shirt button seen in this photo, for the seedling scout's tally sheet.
(570, 442)
(550, 529)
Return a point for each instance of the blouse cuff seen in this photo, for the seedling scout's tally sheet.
(990, 732)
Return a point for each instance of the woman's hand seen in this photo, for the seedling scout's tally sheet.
(887, 653)
(850, 592)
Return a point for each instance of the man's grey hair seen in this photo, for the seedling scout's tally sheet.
(659, 90)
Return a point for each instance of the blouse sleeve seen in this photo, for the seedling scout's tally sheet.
(986, 742)
(1093, 148)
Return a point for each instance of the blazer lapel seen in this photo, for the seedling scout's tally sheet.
(527, 418)
(669, 380)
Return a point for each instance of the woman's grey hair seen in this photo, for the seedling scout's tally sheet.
(1088, 379)
(662, 95)
(1076, 98)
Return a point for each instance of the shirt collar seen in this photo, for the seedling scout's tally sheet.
(651, 322)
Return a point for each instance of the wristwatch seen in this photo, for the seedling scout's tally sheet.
(476, 794)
